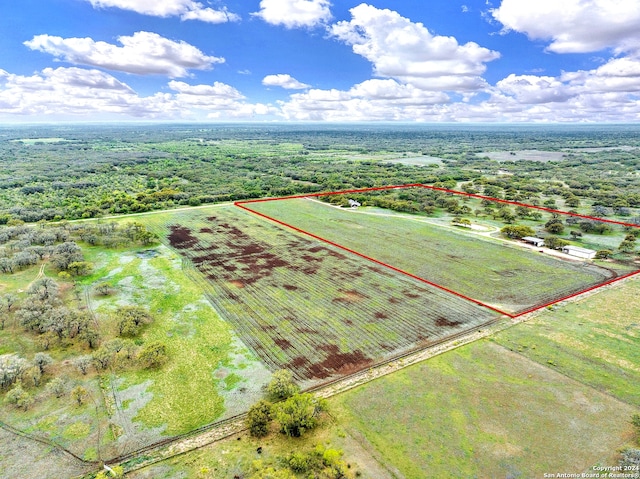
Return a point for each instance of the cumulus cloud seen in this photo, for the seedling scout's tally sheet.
(72, 93)
(376, 99)
(575, 26)
(143, 53)
(284, 81)
(402, 49)
(185, 9)
(295, 13)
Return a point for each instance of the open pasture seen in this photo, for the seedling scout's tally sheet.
(484, 411)
(496, 273)
(302, 305)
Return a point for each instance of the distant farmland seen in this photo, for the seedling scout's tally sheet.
(306, 306)
(494, 272)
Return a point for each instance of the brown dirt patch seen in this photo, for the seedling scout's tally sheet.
(282, 343)
(337, 362)
(444, 322)
(289, 287)
(181, 237)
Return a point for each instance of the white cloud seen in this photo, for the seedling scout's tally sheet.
(376, 99)
(575, 26)
(143, 53)
(295, 13)
(402, 49)
(284, 81)
(72, 93)
(531, 89)
(185, 9)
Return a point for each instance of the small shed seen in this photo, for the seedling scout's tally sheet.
(579, 252)
(354, 203)
(537, 242)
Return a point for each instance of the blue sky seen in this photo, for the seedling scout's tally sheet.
(320, 60)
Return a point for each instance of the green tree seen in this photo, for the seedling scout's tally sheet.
(57, 387)
(281, 385)
(604, 254)
(131, 319)
(517, 231)
(554, 226)
(79, 395)
(19, 398)
(42, 360)
(153, 355)
(258, 418)
(554, 242)
(299, 413)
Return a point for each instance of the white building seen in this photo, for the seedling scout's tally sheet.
(579, 252)
(537, 242)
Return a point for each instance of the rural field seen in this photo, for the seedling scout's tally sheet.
(484, 411)
(488, 409)
(303, 305)
(595, 341)
(505, 276)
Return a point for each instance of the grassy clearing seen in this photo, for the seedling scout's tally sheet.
(131, 408)
(198, 341)
(595, 341)
(307, 307)
(477, 266)
(483, 411)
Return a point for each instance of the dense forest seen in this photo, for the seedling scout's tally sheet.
(71, 172)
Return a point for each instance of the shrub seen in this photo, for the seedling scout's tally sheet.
(153, 355)
(131, 319)
(80, 395)
(258, 418)
(299, 413)
(281, 385)
(19, 398)
(56, 387)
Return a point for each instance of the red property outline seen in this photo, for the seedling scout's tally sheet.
(241, 204)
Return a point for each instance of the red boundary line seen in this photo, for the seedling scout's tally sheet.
(240, 204)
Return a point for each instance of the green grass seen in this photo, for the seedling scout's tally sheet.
(198, 341)
(483, 268)
(595, 341)
(483, 411)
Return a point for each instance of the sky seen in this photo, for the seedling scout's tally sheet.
(320, 60)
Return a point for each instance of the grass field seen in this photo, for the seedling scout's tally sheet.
(483, 411)
(505, 276)
(305, 306)
(133, 407)
(595, 341)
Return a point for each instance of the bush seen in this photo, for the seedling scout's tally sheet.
(56, 387)
(19, 398)
(131, 319)
(258, 418)
(153, 355)
(281, 385)
(299, 413)
(80, 395)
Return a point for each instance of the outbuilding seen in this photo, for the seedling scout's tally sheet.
(537, 242)
(579, 252)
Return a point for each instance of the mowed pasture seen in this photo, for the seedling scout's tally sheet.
(303, 305)
(505, 276)
(595, 341)
(484, 411)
